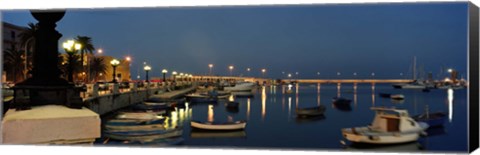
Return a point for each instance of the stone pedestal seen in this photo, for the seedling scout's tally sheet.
(50, 124)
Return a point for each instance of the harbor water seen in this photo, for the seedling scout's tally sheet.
(273, 124)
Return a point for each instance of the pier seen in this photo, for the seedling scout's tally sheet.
(266, 80)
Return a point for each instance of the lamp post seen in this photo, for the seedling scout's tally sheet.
(147, 68)
(263, 72)
(174, 73)
(210, 66)
(114, 64)
(71, 48)
(230, 68)
(164, 72)
(181, 76)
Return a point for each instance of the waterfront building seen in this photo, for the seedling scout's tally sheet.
(10, 40)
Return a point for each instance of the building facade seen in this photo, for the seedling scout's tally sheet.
(10, 40)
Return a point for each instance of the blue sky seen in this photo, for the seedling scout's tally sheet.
(346, 38)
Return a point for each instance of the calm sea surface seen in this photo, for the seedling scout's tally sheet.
(272, 122)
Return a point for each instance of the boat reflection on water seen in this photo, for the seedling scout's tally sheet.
(406, 147)
(218, 134)
(435, 131)
(397, 101)
(309, 119)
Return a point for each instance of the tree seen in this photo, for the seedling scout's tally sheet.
(12, 59)
(87, 47)
(97, 66)
(27, 42)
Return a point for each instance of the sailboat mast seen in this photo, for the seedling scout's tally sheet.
(414, 68)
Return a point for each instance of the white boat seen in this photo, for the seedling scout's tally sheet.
(138, 116)
(413, 86)
(397, 96)
(390, 126)
(238, 125)
(243, 86)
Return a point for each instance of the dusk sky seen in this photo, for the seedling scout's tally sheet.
(346, 38)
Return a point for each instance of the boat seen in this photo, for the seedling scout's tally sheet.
(397, 96)
(216, 134)
(432, 119)
(138, 116)
(242, 86)
(243, 94)
(404, 147)
(238, 125)
(342, 104)
(232, 104)
(198, 98)
(392, 96)
(122, 122)
(311, 111)
(138, 132)
(148, 127)
(390, 126)
(147, 138)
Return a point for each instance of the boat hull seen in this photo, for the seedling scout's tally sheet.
(220, 127)
(393, 138)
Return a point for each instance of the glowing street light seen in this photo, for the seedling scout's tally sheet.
(164, 72)
(210, 66)
(450, 70)
(263, 72)
(230, 68)
(174, 73)
(128, 58)
(71, 48)
(147, 69)
(99, 51)
(114, 64)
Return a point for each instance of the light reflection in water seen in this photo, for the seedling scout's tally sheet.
(248, 109)
(210, 113)
(450, 105)
(174, 118)
(283, 89)
(355, 95)
(231, 98)
(339, 86)
(283, 103)
(318, 94)
(296, 89)
(264, 102)
(373, 94)
(289, 106)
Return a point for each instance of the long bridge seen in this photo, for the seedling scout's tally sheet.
(267, 80)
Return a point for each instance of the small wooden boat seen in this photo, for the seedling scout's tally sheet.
(123, 122)
(134, 127)
(432, 119)
(137, 116)
(138, 132)
(238, 125)
(390, 126)
(311, 111)
(397, 96)
(341, 101)
(216, 134)
(143, 138)
(197, 98)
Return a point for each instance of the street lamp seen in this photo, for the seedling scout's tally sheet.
(263, 72)
(174, 73)
(147, 68)
(181, 76)
(210, 66)
(71, 48)
(100, 51)
(231, 68)
(164, 71)
(114, 64)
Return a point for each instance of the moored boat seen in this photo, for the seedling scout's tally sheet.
(143, 138)
(238, 125)
(310, 111)
(397, 96)
(390, 126)
(243, 86)
(198, 98)
(432, 119)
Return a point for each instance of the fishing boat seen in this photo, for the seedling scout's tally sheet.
(123, 122)
(342, 104)
(198, 98)
(242, 86)
(138, 116)
(238, 125)
(397, 96)
(311, 111)
(146, 138)
(216, 134)
(243, 94)
(392, 96)
(432, 119)
(390, 126)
